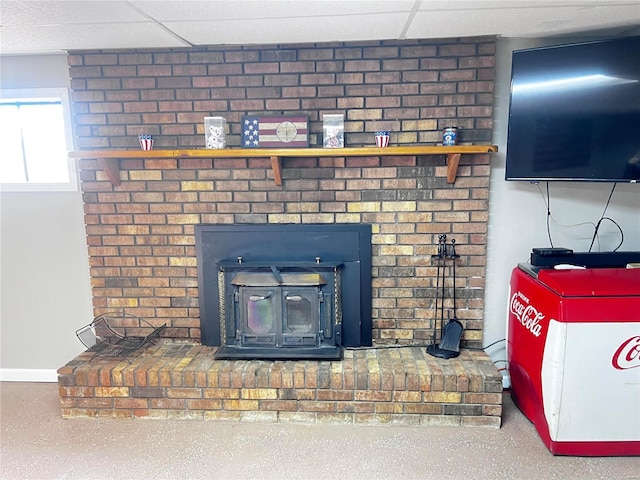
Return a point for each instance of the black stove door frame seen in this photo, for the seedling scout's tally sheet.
(249, 301)
(276, 304)
(291, 296)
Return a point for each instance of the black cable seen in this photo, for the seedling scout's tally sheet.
(494, 343)
(549, 216)
(396, 345)
(487, 346)
(546, 204)
(602, 217)
(621, 234)
(381, 347)
(619, 229)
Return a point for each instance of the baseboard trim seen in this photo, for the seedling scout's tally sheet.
(28, 375)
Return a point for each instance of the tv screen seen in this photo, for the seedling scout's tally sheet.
(574, 113)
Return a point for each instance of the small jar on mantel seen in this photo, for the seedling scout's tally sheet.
(450, 136)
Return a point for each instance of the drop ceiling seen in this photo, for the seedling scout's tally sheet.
(50, 26)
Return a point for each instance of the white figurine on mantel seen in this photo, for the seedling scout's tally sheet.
(216, 138)
(215, 131)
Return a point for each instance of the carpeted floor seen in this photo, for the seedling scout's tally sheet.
(38, 444)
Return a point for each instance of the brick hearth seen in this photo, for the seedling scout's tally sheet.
(179, 379)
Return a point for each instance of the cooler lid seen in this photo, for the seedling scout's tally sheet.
(592, 282)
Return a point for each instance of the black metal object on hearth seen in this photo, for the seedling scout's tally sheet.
(451, 332)
(284, 291)
(118, 334)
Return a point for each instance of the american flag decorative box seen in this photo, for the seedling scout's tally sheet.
(275, 132)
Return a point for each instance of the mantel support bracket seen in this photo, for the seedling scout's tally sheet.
(453, 159)
(276, 166)
(111, 167)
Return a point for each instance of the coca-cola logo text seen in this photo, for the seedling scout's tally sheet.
(628, 354)
(527, 314)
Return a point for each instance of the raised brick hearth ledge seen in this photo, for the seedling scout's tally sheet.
(179, 380)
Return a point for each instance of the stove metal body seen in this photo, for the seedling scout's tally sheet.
(284, 291)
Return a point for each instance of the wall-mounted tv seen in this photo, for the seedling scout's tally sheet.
(574, 113)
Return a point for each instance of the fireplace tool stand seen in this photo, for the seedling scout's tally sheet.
(451, 333)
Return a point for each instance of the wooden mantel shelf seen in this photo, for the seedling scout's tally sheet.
(109, 159)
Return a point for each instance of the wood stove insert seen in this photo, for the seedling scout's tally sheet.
(284, 291)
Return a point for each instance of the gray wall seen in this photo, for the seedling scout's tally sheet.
(44, 266)
(45, 294)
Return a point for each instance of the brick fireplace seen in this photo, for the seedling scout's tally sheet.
(141, 233)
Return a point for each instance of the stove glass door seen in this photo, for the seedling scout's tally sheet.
(301, 316)
(279, 316)
(260, 311)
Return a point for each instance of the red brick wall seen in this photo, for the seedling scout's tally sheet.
(140, 234)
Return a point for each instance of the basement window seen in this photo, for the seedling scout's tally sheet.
(36, 132)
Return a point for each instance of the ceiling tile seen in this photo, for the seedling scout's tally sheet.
(26, 13)
(523, 22)
(53, 38)
(178, 11)
(43, 26)
(302, 30)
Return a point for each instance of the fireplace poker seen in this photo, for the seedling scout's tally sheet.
(454, 257)
(441, 255)
(444, 267)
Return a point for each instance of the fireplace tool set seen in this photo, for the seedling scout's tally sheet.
(451, 332)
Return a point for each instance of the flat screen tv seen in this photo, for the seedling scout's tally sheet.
(574, 113)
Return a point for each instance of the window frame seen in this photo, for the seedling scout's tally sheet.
(46, 93)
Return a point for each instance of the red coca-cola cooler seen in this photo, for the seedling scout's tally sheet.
(574, 357)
